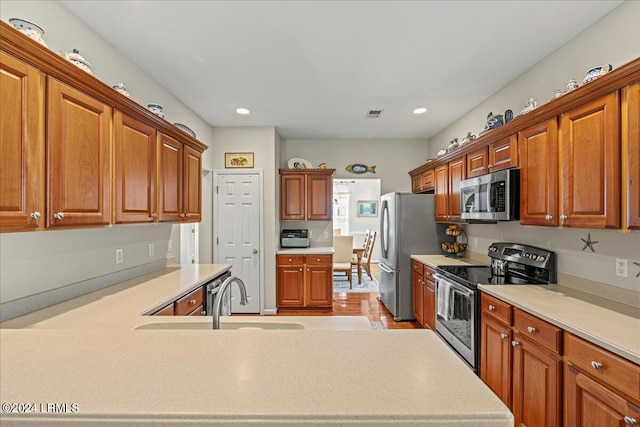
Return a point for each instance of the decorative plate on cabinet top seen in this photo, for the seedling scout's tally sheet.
(185, 128)
(299, 163)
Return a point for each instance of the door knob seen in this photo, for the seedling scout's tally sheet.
(255, 251)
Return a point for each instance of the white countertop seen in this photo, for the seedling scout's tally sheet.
(609, 324)
(322, 250)
(442, 260)
(338, 371)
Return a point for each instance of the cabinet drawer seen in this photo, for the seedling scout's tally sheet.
(166, 311)
(496, 308)
(188, 303)
(428, 273)
(197, 312)
(603, 365)
(290, 259)
(318, 259)
(538, 330)
(417, 267)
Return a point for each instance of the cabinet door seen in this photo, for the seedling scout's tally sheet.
(135, 169)
(418, 298)
(427, 180)
(441, 178)
(590, 164)
(457, 172)
(319, 197)
(416, 183)
(539, 174)
(477, 162)
(319, 286)
(503, 154)
(290, 286)
(591, 404)
(170, 185)
(78, 158)
(429, 316)
(537, 385)
(21, 146)
(292, 197)
(192, 190)
(632, 167)
(495, 357)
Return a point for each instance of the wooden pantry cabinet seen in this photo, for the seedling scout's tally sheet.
(304, 282)
(76, 153)
(447, 189)
(424, 295)
(306, 195)
(22, 197)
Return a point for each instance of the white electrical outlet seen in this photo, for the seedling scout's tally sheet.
(152, 249)
(622, 267)
(119, 256)
(168, 245)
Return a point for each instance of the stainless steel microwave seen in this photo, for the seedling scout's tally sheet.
(495, 196)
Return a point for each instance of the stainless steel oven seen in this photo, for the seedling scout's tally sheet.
(456, 319)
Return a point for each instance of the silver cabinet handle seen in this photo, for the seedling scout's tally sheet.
(35, 215)
(58, 215)
(515, 343)
(630, 421)
(492, 307)
(596, 365)
(563, 217)
(503, 336)
(548, 217)
(531, 329)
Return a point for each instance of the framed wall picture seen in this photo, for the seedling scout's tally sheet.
(367, 208)
(238, 160)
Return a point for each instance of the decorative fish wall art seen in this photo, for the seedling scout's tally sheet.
(360, 168)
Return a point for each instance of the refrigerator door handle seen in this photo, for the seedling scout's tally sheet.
(385, 268)
(385, 229)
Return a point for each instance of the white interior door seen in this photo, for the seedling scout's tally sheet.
(237, 232)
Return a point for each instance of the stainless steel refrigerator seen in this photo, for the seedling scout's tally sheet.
(407, 228)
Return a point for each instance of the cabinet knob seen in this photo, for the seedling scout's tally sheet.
(548, 217)
(596, 365)
(563, 217)
(35, 215)
(489, 166)
(289, 259)
(182, 215)
(630, 421)
(192, 302)
(492, 307)
(203, 312)
(531, 329)
(515, 343)
(58, 215)
(300, 269)
(503, 336)
(153, 215)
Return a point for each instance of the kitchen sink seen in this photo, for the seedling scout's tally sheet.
(223, 325)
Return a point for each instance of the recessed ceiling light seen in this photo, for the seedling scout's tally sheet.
(420, 110)
(242, 111)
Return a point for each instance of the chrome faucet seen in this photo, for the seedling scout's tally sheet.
(217, 303)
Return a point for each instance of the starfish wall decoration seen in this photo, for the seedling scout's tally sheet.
(588, 243)
(638, 264)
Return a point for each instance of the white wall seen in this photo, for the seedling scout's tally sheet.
(615, 39)
(42, 261)
(264, 142)
(393, 158)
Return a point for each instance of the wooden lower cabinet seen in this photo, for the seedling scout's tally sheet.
(191, 304)
(537, 385)
(495, 357)
(304, 282)
(424, 295)
(418, 294)
(589, 403)
(429, 304)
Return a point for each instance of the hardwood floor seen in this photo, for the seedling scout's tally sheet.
(360, 304)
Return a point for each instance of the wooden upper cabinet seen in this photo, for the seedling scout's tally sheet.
(631, 155)
(457, 172)
(78, 158)
(22, 189)
(539, 174)
(428, 180)
(170, 166)
(477, 162)
(441, 178)
(192, 190)
(306, 195)
(590, 164)
(135, 170)
(422, 181)
(503, 154)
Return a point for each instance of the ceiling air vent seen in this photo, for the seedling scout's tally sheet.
(374, 114)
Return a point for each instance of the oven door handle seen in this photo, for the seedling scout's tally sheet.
(466, 292)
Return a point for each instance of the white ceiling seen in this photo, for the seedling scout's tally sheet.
(314, 68)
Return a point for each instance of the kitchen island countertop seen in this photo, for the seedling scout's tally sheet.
(442, 260)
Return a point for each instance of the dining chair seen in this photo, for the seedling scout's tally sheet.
(342, 251)
(365, 261)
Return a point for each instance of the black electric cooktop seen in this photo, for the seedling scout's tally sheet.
(472, 276)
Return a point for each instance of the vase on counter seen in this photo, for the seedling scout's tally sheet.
(31, 30)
